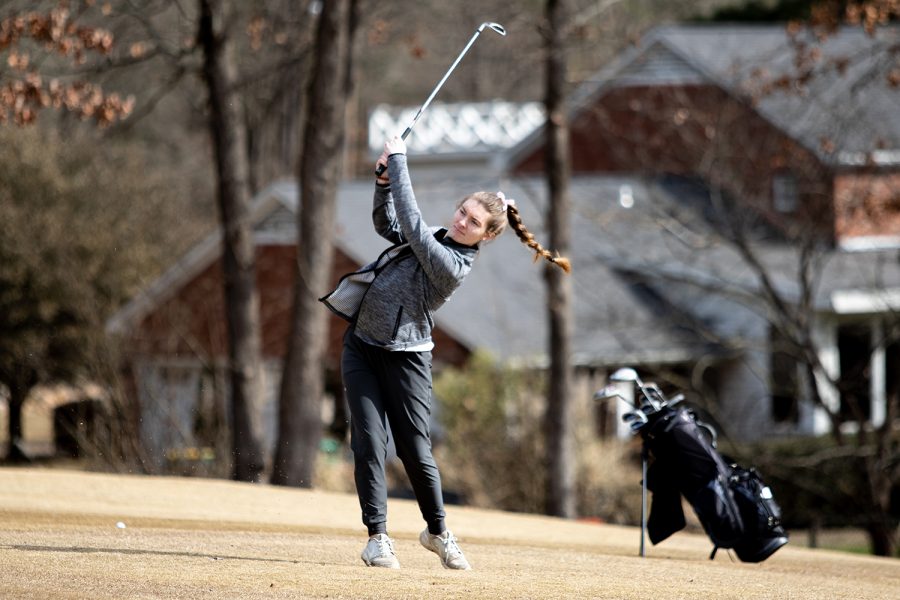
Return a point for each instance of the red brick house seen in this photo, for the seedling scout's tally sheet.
(806, 132)
(816, 145)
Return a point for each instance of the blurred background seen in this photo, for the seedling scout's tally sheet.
(180, 180)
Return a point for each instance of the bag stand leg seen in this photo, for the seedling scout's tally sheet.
(644, 458)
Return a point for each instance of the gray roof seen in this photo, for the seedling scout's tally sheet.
(854, 109)
(616, 253)
(625, 264)
(663, 239)
(636, 249)
(857, 109)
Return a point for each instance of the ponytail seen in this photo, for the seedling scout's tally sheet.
(527, 238)
(498, 205)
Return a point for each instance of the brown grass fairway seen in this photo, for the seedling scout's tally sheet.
(193, 538)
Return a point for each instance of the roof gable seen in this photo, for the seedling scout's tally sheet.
(853, 107)
(268, 224)
(659, 65)
(844, 116)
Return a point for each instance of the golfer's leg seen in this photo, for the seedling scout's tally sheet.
(368, 434)
(408, 397)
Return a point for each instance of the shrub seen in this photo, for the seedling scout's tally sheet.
(815, 481)
(492, 442)
(492, 451)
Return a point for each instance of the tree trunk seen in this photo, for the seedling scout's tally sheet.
(882, 527)
(239, 262)
(14, 453)
(300, 421)
(882, 536)
(558, 421)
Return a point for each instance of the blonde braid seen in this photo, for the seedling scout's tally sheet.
(515, 221)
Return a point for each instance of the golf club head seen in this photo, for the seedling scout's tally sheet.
(495, 26)
(607, 393)
(635, 419)
(626, 374)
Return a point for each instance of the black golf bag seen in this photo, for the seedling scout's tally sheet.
(733, 504)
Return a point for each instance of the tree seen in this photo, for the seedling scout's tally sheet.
(559, 426)
(78, 231)
(47, 37)
(875, 447)
(247, 59)
(43, 317)
(275, 72)
(43, 344)
(226, 125)
(834, 389)
(778, 256)
(319, 171)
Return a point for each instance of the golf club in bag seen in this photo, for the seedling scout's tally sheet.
(494, 26)
(734, 506)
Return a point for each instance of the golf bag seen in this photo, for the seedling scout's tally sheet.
(734, 506)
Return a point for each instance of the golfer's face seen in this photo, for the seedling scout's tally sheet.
(469, 224)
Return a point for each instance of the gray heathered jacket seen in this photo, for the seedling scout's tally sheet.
(392, 300)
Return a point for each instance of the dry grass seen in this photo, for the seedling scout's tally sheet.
(192, 538)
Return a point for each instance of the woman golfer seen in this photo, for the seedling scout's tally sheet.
(386, 361)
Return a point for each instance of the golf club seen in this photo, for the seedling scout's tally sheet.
(651, 393)
(607, 393)
(635, 419)
(496, 27)
(626, 374)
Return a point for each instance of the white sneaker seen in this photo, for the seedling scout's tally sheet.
(446, 548)
(379, 552)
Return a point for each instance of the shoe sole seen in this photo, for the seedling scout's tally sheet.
(443, 562)
(377, 566)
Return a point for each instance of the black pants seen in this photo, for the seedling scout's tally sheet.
(390, 387)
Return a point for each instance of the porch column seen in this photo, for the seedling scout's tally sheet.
(878, 380)
(814, 418)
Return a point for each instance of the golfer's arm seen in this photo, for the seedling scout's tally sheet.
(384, 217)
(440, 264)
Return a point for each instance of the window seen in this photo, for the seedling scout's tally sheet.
(855, 348)
(784, 374)
(784, 192)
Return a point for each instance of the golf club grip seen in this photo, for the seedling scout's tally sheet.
(382, 168)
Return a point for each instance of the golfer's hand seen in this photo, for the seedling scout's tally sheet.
(382, 176)
(395, 145)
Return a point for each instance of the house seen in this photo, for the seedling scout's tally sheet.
(653, 287)
(806, 132)
(818, 143)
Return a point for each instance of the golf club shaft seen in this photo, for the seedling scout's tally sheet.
(381, 168)
(644, 459)
(440, 84)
